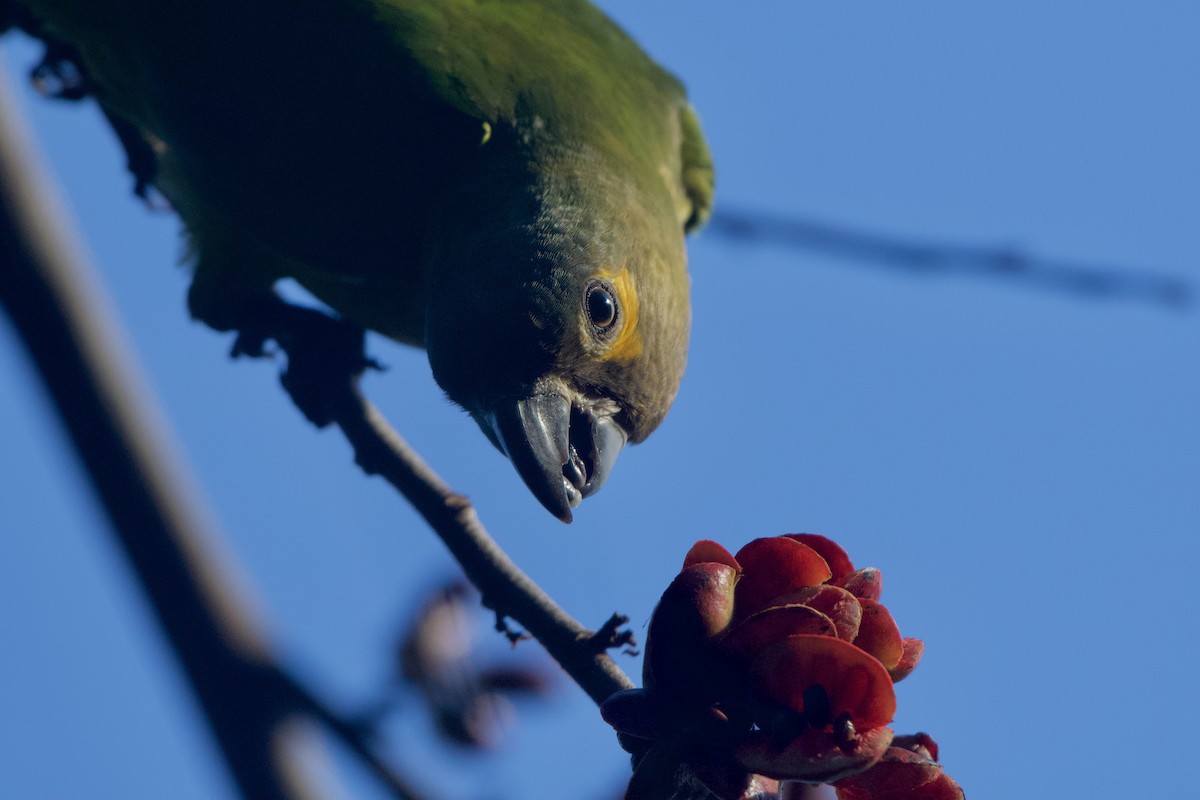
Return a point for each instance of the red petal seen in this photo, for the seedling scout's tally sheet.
(839, 563)
(866, 583)
(900, 775)
(812, 756)
(705, 551)
(693, 610)
(772, 567)
(920, 743)
(702, 596)
(856, 683)
(779, 622)
(878, 634)
(913, 649)
(832, 601)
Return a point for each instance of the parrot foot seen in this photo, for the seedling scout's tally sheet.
(324, 354)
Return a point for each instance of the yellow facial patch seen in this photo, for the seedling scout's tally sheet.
(627, 344)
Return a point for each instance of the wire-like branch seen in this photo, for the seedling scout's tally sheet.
(921, 257)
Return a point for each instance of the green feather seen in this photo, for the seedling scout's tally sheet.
(452, 174)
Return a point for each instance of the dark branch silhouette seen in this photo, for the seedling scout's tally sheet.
(247, 697)
(922, 257)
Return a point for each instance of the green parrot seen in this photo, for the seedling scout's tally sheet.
(506, 183)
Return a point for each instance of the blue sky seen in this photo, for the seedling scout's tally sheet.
(1024, 466)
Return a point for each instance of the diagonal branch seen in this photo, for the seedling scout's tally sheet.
(248, 699)
(222, 650)
(505, 588)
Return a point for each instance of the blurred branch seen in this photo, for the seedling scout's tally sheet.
(356, 739)
(247, 698)
(922, 257)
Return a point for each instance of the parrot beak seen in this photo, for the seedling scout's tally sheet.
(562, 452)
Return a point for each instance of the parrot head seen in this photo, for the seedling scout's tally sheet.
(558, 319)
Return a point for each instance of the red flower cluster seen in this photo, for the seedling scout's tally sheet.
(774, 665)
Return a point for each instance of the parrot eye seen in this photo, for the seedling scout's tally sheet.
(601, 306)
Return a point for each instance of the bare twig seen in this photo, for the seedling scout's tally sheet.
(1081, 279)
(613, 634)
(505, 588)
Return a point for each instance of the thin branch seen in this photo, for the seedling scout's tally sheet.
(1077, 278)
(380, 450)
